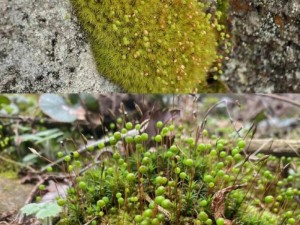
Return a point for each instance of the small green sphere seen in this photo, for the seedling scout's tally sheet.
(291, 221)
(158, 138)
(82, 185)
(38, 199)
(101, 203)
(137, 138)
(138, 126)
(105, 199)
(143, 169)
(118, 195)
(42, 187)
(220, 221)
(138, 218)
(116, 156)
(60, 154)
(130, 177)
(117, 135)
(160, 190)
(119, 120)
(76, 154)
(182, 175)
(121, 201)
(203, 216)
(203, 203)
(201, 147)
(167, 204)
(269, 199)
(189, 162)
(241, 144)
(144, 136)
(128, 139)
(159, 124)
(70, 168)
(61, 202)
(208, 222)
(101, 145)
(67, 158)
(128, 126)
(158, 200)
(148, 213)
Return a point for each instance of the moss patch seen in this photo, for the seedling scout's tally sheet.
(151, 46)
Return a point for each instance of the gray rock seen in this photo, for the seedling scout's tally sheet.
(13, 194)
(42, 49)
(266, 48)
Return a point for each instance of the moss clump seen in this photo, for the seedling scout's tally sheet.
(151, 46)
(246, 212)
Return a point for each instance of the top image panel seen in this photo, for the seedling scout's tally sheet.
(151, 46)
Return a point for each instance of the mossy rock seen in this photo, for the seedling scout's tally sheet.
(151, 46)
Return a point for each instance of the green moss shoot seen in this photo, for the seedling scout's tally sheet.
(151, 46)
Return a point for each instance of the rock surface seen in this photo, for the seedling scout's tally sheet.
(266, 49)
(43, 49)
(12, 194)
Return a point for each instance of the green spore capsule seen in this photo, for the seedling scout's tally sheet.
(137, 42)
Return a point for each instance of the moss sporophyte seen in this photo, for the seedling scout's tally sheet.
(153, 46)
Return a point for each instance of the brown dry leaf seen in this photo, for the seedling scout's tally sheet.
(218, 202)
(79, 112)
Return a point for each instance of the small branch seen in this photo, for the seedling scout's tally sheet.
(279, 147)
(280, 98)
(202, 126)
(87, 223)
(105, 141)
(18, 164)
(40, 120)
(159, 208)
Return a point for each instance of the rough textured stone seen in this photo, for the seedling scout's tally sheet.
(12, 194)
(266, 53)
(42, 49)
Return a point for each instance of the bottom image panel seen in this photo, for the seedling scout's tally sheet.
(149, 159)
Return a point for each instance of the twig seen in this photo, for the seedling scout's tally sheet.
(87, 223)
(279, 147)
(30, 196)
(201, 127)
(105, 141)
(160, 209)
(18, 164)
(280, 98)
(208, 112)
(41, 120)
(6, 215)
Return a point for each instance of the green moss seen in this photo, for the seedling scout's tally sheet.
(9, 174)
(223, 6)
(251, 215)
(151, 46)
(246, 213)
